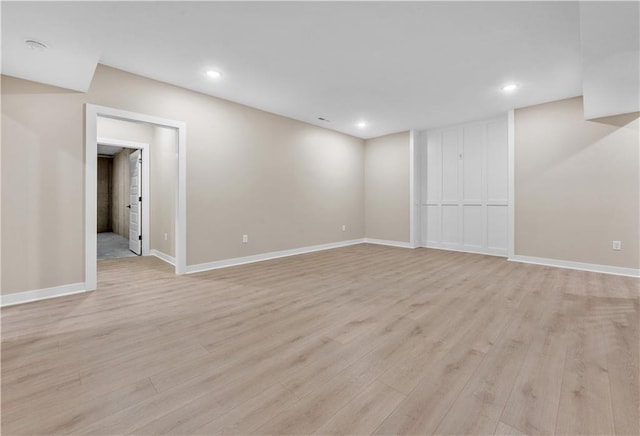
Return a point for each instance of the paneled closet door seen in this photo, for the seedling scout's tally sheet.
(464, 187)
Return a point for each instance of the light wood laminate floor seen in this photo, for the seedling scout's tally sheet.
(358, 340)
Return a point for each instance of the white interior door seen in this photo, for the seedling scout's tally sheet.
(135, 201)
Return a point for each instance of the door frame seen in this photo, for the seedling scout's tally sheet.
(90, 185)
(146, 160)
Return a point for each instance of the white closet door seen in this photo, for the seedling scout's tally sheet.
(464, 187)
(497, 187)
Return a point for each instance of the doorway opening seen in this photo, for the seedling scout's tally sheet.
(122, 198)
(140, 233)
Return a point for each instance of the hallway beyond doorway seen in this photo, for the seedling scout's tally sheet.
(111, 246)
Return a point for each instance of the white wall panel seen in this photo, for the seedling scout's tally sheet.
(450, 225)
(433, 166)
(472, 162)
(497, 229)
(450, 157)
(497, 162)
(431, 228)
(465, 187)
(472, 226)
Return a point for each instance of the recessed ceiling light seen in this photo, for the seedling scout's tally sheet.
(361, 124)
(214, 74)
(36, 45)
(510, 87)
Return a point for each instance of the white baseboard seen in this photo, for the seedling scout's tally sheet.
(388, 243)
(489, 252)
(160, 255)
(41, 294)
(268, 256)
(605, 269)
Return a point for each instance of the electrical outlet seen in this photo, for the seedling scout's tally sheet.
(617, 245)
(344, 227)
(166, 236)
(245, 239)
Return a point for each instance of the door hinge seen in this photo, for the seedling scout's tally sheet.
(139, 237)
(139, 198)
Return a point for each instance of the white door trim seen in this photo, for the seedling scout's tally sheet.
(91, 149)
(146, 198)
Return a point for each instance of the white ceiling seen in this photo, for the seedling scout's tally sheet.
(397, 65)
(610, 47)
